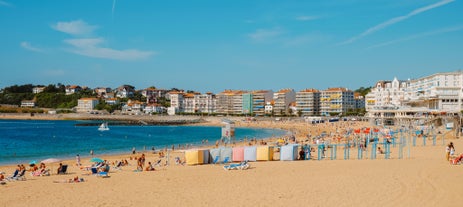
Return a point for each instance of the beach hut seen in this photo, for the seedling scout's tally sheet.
(194, 157)
(206, 156)
(238, 154)
(213, 153)
(288, 152)
(225, 152)
(250, 153)
(264, 153)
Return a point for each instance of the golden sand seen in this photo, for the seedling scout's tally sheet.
(424, 179)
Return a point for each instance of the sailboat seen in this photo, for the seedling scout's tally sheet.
(103, 127)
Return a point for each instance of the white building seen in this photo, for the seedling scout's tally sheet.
(336, 101)
(38, 90)
(205, 103)
(28, 103)
(269, 107)
(72, 89)
(282, 100)
(86, 104)
(386, 94)
(440, 93)
(176, 101)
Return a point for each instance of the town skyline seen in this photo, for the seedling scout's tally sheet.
(213, 46)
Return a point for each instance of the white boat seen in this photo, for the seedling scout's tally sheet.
(103, 127)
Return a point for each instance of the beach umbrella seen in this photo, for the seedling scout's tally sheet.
(33, 162)
(96, 159)
(51, 160)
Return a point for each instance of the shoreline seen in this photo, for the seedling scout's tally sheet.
(298, 129)
(424, 179)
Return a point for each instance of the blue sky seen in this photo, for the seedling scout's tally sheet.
(215, 45)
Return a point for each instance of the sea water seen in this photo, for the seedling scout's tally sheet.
(22, 141)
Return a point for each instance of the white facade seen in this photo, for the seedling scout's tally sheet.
(176, 101)
(28, 103)
(282, 100)
(388, 94)
(38, 90)
(86, 104)
(72, 89)
(437, 93)
(336, 101)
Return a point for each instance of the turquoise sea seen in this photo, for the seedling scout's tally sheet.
(24, 140)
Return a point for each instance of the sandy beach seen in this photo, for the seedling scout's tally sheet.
(424, 179)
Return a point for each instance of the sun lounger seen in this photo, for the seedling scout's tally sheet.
(103, 175)
(226, 160)
(158, 163)
(216, 160)
(17, 175)
(63, 170)
(237, 166)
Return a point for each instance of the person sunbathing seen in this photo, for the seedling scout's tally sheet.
(71, 180)
(149, 167)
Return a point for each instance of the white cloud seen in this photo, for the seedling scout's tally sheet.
(91, 47)
(4, 3)
(306, 18)
(421, 35)
(395, 20)
(77, 27)
(266, 34)
(28, 46)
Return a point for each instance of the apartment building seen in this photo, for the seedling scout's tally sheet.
(334, 101)
(230, 102)
(282, 100)
(308, 102)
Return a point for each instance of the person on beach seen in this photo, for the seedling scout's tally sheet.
(59, 168)
(133, 150)
(91, 153)
(447, 152)
(149, 167)
(302, 154)
(379, 151)
(448, 149)
(78, 160)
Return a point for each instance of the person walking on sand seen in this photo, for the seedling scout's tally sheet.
(452, 149)
(133, 150)
(447, 151)
(78, 160)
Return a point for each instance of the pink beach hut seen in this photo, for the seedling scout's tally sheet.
(288, 152)
(250, 153)
(238, 154)
(264, 153)
(194, 157)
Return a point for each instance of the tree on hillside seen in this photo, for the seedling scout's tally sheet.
(51, 88)
(19, 89)
(363, 91)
